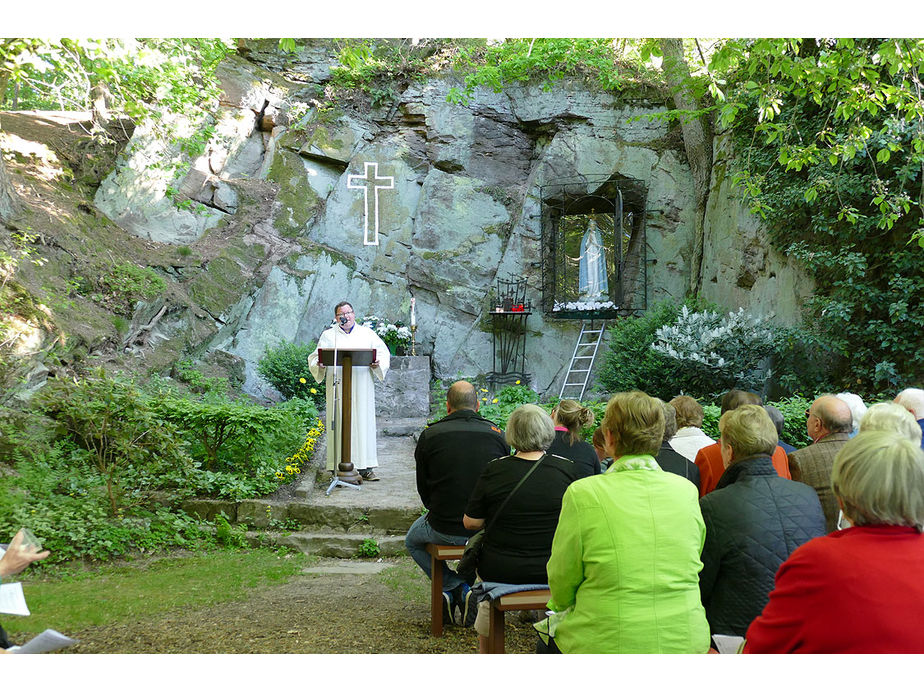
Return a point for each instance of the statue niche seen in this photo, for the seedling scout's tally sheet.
(593, 251)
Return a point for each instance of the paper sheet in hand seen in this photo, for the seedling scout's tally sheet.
(12, 600)
(49, 641)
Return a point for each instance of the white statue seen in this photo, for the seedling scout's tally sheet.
(592, 281)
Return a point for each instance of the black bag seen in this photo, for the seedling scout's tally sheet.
(468, 564)
(474, 547)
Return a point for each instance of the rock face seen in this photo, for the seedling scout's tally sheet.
(453, 194)
(740, 268)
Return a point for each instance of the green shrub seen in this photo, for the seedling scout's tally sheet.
(67, 507)
(236, 436)
(711, 414)
(285, 367)
(369, 548)
(127, 283)
(793, 411)
(112, 428)
(498, 408)
(802, 363)
(198, 382)
(629, 362)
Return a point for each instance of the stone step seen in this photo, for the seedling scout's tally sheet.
(264, 513)
(330, 544)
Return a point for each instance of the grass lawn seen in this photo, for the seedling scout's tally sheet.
(70, 599)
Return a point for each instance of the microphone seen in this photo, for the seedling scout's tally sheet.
(343, 319)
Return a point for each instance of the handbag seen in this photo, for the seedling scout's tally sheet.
(468, 564)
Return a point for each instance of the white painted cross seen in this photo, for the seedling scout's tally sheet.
(370, 180)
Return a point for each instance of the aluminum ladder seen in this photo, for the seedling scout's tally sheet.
(582, 361)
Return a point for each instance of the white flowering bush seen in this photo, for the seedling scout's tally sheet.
(396, 336)
(713, 353)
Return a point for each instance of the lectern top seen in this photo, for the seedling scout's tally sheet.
(359, 357)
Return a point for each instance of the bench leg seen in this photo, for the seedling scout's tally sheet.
(436, 597)
(496, 632)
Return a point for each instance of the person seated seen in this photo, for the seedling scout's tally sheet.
(600, 449)
(19, 556)
(912, 399)
(569, 418)
(517, 541)
(624, 570)
(828, 423)
(776, 416)
(858, 589)
(689, 438)
(754, 519)
(709, 459)
(669, 459)
(888, 416)
(450, 456)
(857, 409)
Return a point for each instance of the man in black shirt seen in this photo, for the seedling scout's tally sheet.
(451, 455)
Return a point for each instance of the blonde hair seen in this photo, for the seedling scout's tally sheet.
(573, 416)
(749, 430)
(689, 411)
(636, 422)
(889, 416)
(879, 478)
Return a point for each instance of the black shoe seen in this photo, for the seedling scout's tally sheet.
(448, 609)
(467, 603)
(368, 475)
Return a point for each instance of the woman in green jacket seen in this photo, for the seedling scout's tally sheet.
(624, 569)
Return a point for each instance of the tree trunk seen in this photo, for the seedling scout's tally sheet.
(697, 141)
(8, 203)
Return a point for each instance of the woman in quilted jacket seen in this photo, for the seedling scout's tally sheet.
(754, 520)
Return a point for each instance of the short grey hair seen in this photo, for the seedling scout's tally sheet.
(530, 429)
(912, 399)
(879, 478)
(888, 416)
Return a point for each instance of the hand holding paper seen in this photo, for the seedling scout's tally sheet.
(20, 554)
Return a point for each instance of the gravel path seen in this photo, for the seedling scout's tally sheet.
(339, 607)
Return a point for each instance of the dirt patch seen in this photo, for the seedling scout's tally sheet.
(313, 613)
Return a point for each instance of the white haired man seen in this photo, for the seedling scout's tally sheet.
(912, 399)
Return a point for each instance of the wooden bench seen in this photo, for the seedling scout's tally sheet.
(439, 554)
(517, 601)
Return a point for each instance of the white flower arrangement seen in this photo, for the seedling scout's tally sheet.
(583, 305)
(393, 335)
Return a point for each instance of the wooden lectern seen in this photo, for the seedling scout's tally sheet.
(346, 474)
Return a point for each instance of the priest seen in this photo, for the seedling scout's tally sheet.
(346, 334)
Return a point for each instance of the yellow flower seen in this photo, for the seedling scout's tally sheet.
(494, 401)
(313, 391)
(483, 390)
(302, 381)
(517, 382)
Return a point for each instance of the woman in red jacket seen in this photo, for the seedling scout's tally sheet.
(859, 589)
